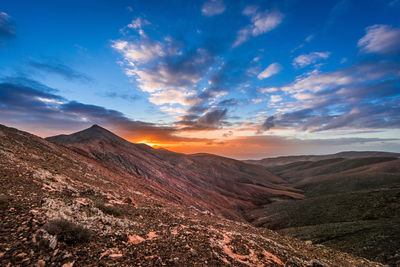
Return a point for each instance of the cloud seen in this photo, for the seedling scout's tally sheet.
(262, 22)
(308, 59)
(173, 97)
(268, 90)
(309, 38)
(337, 11)
(57, 67)
(6, 26)
(209, 121)
(363, 96)
(380, 39)
(213, 7)
(128, 97)
(316, 81)
(228, 102)
(275, 98)
(169, 71)
(268, 123)
(176, 73)
(137, 24)
(394, 3)
(138, 53)
(213, 117)
(272, 69)
(173, 110)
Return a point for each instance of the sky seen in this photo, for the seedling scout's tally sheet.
(243, 79)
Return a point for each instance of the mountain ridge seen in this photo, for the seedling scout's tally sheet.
(283, 160)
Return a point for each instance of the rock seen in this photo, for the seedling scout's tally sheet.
(82, 201)
(135, 239)
(67, 255)
(115, 256)
(68, 264)
(21, 255)
(41, 263)
(130, 200)
(43, 238)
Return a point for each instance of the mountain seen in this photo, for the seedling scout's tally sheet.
(59, 207)
(352, 203)
(208, 182)
(277, 161)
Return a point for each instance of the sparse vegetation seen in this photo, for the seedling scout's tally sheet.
(68, 232)
(111, 210)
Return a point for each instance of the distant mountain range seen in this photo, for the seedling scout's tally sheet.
(93, 198)
(276, 161)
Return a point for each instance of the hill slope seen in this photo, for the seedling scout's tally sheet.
(352, 204)
(60, 207)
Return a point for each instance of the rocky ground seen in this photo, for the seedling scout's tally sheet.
(58, 208)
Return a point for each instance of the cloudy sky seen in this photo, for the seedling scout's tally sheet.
(244, 79)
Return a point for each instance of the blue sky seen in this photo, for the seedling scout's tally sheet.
(244, 79)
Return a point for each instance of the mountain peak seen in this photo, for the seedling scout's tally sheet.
(95, 132)
(95, 126)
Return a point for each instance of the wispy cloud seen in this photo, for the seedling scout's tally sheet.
(308, 59)
(57, 67)
(262, 22)
(7, 29)
(268, 90)
(272, 69)
(275, 98)
(128, 97)
(380, 39)
(213, 7)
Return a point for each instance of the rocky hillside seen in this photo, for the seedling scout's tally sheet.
(62, 208)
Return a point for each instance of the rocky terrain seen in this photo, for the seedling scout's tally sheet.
(352, 203)
(63, 208)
